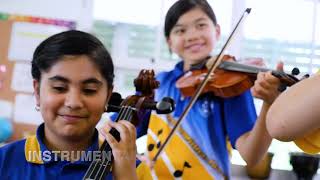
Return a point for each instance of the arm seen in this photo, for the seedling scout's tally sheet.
(254, 144)
(296, 111)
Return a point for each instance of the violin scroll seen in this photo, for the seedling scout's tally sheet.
(146, 82)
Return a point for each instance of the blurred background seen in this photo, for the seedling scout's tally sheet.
(132, 31)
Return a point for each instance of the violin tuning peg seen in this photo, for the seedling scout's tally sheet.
(295, 71)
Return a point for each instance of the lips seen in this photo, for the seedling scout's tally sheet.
(194, 47)
(72, 118)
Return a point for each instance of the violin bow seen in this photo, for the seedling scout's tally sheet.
(202, 85)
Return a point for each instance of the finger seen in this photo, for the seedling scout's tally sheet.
(261, 80)
(271, 79)
(124, 132)
(110, 139)
(259, 92)
(106, 126)
(130, 127)
(267, 80)
(280, 66)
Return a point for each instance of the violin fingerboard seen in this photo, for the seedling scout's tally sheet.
(97, 170)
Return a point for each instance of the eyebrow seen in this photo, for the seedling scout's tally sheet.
(197, 20)
(65, 80)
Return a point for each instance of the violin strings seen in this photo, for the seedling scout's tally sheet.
(124, 113)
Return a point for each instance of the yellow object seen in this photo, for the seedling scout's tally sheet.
(186, 162)
(310, 143)
(143, 172)
(32, 150)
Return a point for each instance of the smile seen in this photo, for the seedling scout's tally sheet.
(194, 47)
(72, 118)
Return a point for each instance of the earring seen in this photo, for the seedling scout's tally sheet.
(106, 107)
(37, 108)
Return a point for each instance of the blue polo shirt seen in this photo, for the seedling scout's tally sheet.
(19, 161)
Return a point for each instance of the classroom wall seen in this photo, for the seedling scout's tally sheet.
(80, 11)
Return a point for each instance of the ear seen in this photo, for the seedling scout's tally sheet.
(109, 93)
(218, 31)
(108, 98)
(36, 87)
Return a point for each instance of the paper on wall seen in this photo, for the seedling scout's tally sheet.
(26, 36)
(24, 110)
(21, 78)
(6, 109)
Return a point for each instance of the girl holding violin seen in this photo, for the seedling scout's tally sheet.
(199, 149)
(73, 80)
(295, 115)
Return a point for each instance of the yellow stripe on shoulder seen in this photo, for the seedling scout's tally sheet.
(32, 150)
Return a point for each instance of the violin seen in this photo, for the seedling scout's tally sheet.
(133, 109)
(230, 78)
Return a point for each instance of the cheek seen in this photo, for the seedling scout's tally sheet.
(50, 105)
(96, 106)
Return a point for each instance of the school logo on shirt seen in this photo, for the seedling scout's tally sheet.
(205, 108)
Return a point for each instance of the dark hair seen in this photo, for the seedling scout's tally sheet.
(72, 42)
(181, 7)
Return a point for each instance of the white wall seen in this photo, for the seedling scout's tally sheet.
(80, 11)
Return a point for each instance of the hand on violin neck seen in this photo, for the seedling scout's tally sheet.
(266, 86)
(124, 151)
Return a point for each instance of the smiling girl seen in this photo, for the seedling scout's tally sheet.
(73, 80)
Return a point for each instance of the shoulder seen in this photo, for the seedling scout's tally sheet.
(174, 73)
(17, 146)
(163, 75)
(12, 152)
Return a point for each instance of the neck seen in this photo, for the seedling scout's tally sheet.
(186, 66)
(58, 143)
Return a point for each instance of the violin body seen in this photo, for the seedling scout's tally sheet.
(222, 84)
(228, 80)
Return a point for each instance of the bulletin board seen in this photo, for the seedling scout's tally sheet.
(7, 95)
(18, 39)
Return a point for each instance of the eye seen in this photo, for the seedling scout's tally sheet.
(201, 25)
(90, 91)
(59, 89)
(179, 31)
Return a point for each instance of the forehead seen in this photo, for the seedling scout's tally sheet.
(193, 15)
(74, 68)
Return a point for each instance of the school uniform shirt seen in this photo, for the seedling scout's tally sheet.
(31, 159)
(199, 148)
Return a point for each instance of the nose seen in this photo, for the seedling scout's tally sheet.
(192, 34)
(74, 99)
